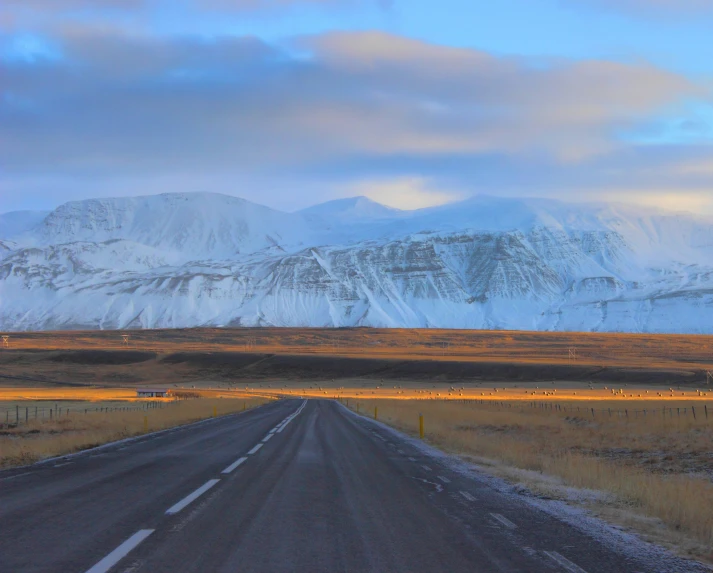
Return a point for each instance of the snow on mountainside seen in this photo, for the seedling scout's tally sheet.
(182, 260)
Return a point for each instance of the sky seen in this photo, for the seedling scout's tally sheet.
(414, 103)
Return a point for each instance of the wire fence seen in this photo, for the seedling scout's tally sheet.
(696, 412)
(18, 415)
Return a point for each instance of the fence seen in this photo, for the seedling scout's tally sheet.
(15, 416)
(672, 411)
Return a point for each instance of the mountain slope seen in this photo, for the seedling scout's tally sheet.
(202, 225)
(187, 260)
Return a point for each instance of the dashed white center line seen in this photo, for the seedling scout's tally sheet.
(284, 425)
(255, 449)
(234, 465)
(425, 467)
(192, 497)
(412, 459)
(504, 520)
(400, 452)
(120, 552)
(466, 495)
(267, 438)
(444, 479)
(564, 562)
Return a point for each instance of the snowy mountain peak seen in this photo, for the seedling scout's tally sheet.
(203, 225)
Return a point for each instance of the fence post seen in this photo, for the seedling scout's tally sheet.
(693, 410)
(420, 425)
(215, 411)
(705, 409)
(27, 414)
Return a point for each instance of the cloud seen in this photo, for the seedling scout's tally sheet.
(364, 106)
(403, 193)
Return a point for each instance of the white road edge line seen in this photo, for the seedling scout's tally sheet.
(444, 479)
(564, 562)
(504, 520)
(412, 459)
(425, 467)
(192, 497)
(466, 495)
(16, 476)
(120, 552)
(267, 438)
(255, 449)
(234, 465)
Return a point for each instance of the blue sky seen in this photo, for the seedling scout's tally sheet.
(289, 103)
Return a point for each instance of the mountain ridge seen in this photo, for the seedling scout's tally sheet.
(178, 260)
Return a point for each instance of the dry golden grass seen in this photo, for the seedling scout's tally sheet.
(660, 466)
(38, 439)
(71, 393)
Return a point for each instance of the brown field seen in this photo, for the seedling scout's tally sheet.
(266, 355)
(674, 352)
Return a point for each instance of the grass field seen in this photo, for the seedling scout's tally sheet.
(71, 429)
(658, 465)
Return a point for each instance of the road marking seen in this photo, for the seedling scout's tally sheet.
(17, 476)
(120, 552)
(267, 438)
(444, 479)
(192, 497)
(425, 467)
(400, 452)
(466, 495)
(504, 520)
(412, 459)
(564, 562)
(234, 465)
(60, 465)
(289, 418)
(255, 449)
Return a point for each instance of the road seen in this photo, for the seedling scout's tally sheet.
(292, 486)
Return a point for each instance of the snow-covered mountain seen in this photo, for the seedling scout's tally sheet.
(179, 260)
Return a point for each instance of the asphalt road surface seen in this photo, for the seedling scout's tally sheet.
(292, 486)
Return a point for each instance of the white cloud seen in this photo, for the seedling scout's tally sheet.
(406, 193)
